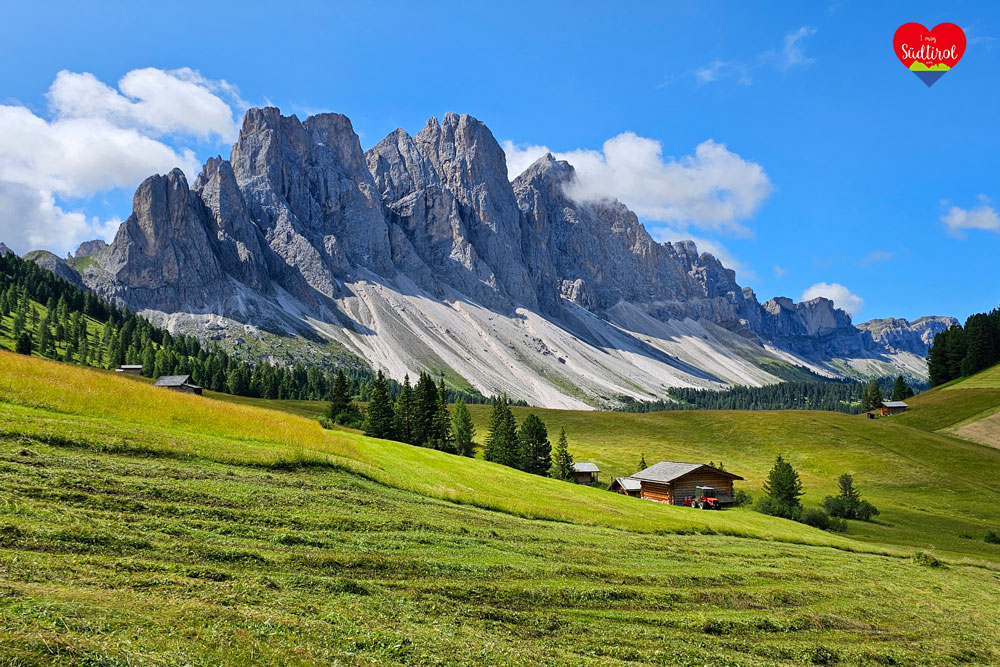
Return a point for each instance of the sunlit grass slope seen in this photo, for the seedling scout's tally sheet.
(125, 557)
(104, 411)
(959, 401)
(934, 491)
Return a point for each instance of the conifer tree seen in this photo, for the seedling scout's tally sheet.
(782, 491)
(403, 417)
(425, 408)
(462, 430)
(340, 398)
(23, 345)
(900, 390)
(379, 420)
(501, 445)
(536, 450)
(442, 421)
(642, 463)
(562, 467)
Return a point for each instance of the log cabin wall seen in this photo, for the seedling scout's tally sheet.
(684, 487)
(659, 491)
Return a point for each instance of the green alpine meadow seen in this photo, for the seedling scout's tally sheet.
(139, 525)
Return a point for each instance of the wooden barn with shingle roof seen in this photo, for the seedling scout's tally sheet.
(673, 481)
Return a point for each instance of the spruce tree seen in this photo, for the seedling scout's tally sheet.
(379, 420)
(562, 466)
(501, 445)
(849, 505)
(642, 463)
(782, 491)
(425, 409)
(536, 450)
(23, 345)
(340, 397)
(900, 390)
(462, 430)
(442, 421)
(403, 417)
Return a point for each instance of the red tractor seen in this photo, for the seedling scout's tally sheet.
(705, 498)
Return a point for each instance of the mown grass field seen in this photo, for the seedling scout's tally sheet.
(140, 526)
(934, 491)
(112, 557)
(58, 400)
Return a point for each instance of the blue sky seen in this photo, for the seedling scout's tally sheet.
(839, 167)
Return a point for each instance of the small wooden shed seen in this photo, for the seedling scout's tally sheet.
(129, 369)
(182, 383)
(586, 473)
(887, 408)
(627, 486)
(673, 481)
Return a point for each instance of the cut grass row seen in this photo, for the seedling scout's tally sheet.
(58, 401)
(935, 492)
(117, 557)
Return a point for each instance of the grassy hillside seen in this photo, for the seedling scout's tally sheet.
(934, 491)
(53, 400)
(142, 526)
(967, 408)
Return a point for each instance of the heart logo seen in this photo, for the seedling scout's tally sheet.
(929, 53)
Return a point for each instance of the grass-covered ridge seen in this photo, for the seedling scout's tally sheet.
(934, 490)
(107, 411)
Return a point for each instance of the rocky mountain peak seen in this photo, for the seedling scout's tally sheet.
(422, 249)
(88, 248)
(546, 173)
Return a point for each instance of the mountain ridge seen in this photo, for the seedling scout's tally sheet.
(420, 254)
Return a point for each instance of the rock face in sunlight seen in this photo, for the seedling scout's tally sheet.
(420, 254)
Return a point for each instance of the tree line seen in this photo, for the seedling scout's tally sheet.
(419, 415)
(959, 351)
(55, 319)
(835, 395)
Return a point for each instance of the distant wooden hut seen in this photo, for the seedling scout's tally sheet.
(129, 369)
(182, 383)
(627, 486)
(586, 473)
(672, 482)
(888, 408)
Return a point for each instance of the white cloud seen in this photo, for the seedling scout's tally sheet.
(80, 156)
(521, 156)
(793, 52)
(984, 216)
(876, 256)
(842, 297)
(720, 69)
(31, 219)
(713, 189)
(158, 102)
(779, 271)
(791, 56)
(99, 139)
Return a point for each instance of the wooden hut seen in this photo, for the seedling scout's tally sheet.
(182, 383)
(586, 473)
(672, 481)
(627, 486)
(129, 369)
(887, 408)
